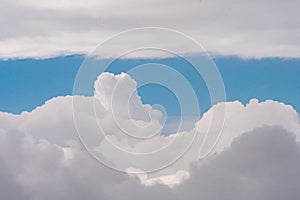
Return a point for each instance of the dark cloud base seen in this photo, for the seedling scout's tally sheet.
(261, 164)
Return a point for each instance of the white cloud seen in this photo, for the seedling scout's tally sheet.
(42, 29)
(42, 158)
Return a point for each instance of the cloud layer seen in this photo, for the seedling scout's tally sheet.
(244, 28)
(257, 157)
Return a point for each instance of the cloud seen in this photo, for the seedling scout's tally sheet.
(248, 29)
(261, 164)
(256, 157)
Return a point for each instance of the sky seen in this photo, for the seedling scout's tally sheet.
(201, 99)
(31, 82)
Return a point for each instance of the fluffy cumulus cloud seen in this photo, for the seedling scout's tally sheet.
(246, 28)
(261, 164)
(257, 156)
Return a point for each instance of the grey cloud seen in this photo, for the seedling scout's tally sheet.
(9, 187)
(244, 28)
(37, 170)
(261, 164)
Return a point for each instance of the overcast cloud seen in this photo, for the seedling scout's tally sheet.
(42, 29)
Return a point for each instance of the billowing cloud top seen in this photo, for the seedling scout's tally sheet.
(257, 157)
(40, 29)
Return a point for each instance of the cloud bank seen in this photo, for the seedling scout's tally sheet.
(255, 29)
(257, 157)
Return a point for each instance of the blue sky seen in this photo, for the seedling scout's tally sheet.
(28, 83)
